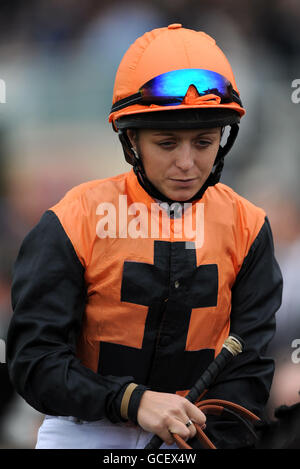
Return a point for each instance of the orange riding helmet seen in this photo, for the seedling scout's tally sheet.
(174, 77)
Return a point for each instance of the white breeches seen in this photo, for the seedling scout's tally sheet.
(67, 433)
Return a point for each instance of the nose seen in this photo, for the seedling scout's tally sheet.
(184, 160)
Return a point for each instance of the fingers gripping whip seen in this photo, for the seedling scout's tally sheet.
(232, 346)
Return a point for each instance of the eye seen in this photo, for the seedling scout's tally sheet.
(166, 144)
(203, 142)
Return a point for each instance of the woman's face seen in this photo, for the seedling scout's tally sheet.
(177, 162)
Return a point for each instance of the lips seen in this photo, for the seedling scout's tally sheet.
(183, 182)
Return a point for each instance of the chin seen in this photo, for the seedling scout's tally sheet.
(183, 194)
(180, 196)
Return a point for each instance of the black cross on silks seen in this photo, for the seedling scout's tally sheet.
(170, 287)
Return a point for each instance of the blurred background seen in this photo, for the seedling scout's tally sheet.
(58, 59)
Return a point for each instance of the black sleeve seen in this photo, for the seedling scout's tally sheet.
(256, 296)
(48, 299)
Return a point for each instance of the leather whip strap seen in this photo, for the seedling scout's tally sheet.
(217, 407)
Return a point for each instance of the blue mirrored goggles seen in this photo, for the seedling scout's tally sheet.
(170, 88)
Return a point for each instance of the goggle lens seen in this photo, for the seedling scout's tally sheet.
(174, 85)
(170, 88)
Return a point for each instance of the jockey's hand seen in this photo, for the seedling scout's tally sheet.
(164, 414)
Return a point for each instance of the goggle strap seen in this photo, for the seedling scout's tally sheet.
(129, 101)
(137, 98)
(236, 97)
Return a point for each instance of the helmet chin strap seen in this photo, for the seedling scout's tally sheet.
(134, 159)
